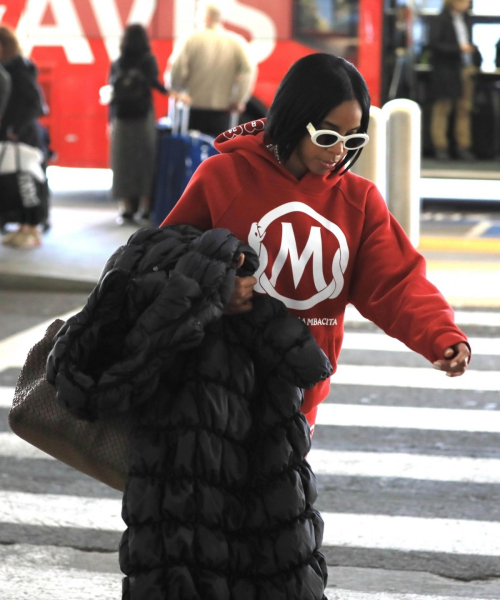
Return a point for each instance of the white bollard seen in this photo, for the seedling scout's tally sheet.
(372, 162)
(403, 164)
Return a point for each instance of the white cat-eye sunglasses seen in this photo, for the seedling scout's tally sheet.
(325, 138)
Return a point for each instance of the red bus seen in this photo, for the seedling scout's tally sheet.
(73, 42)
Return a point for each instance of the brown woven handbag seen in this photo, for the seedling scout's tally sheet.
(98, 448)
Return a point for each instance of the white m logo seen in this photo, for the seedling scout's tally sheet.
(313, 249)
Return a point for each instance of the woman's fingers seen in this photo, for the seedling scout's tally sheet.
(241, 298)
(456, 360)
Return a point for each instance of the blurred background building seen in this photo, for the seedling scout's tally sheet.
(73, 43)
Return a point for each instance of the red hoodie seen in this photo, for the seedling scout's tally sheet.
(323, 242)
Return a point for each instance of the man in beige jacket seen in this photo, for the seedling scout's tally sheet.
(213, 68)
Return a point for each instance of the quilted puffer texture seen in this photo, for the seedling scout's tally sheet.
(219, 499)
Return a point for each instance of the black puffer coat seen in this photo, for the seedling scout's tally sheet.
(219, 498)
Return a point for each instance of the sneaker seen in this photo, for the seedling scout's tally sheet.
(8, 238)
(441, 155)
(26, 240)
(464, 154)
(125, 218)
(143, 219)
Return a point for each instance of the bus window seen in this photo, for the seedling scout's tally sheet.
(328, 26)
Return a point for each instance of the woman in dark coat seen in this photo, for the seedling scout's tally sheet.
(19, 124)
(452, 82)
(219, 498)
(133, 138)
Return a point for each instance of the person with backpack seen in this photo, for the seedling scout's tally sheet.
(133, 130)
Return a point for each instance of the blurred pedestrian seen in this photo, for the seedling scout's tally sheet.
(19, 124)
(214, 68)
(5, 87)
(454, 62)
(133, 129)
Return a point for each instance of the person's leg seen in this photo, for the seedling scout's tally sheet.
(144, 207)
(28, 235)
(463, 110)
(439, 123)
(126, 214)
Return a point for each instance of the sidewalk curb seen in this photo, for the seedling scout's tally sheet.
(39, 283)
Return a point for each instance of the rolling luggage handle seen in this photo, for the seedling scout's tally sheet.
(233, 121)
(178, 113)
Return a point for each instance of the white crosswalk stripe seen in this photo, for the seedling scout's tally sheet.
(13, 446)
(411, 377)
(58, 583)
(350, 595)
(6, 396)
(352, 530)
(60, 511)
(369, 531)
(409, 466)
(462, 317)
(412, 533)
(377, 341)
(406, 417)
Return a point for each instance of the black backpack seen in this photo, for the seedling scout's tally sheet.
(131, 94)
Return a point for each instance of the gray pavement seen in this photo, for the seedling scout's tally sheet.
(82, 236)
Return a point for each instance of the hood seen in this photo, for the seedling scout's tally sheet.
(248, 140)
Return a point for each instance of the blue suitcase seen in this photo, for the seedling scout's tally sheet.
(179, 155)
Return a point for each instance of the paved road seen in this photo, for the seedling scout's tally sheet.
(407, 461)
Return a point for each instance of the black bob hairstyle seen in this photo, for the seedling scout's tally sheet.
(312, 87)
(134, 45)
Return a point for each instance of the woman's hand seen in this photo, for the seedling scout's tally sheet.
(456, 360)
(241, 298)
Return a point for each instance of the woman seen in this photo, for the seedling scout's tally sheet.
(454, 61)
(324, 236)
(133, 133)
(219, 501)
(19, 124)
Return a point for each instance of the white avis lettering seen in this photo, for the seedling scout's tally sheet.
(68, 31)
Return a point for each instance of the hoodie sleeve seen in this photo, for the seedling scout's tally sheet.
(391, 289)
